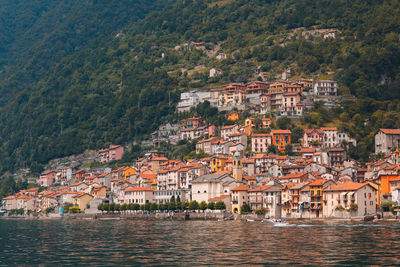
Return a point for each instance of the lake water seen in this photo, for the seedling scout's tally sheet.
(128, 242)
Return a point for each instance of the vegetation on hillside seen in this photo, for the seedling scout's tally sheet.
(102, 89)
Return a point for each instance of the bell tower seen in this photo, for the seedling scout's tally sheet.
(237, 171)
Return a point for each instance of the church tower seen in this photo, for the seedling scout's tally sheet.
(237, 172)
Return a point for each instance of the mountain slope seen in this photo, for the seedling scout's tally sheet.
(40, 33)
(111, 89)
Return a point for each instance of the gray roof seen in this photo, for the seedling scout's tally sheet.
(225, 179)
(298, 186)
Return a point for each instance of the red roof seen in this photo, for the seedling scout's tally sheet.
(318, 182)
(307, 150)
(280, 132)
(348, 186)
(140, 189)
(219, 198)
(261, 135)
(148, 176)
(262, 188)
(240, 188)
(329, 128)
(390, 131)
(159, 159)
(294, 175)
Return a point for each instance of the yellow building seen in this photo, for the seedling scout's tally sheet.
(218, 163)
(234, 116)
(265, 123)
(128, 172)
(233, 94)
(239, 197)
(237, 171)
(316, 192)
(82, 200)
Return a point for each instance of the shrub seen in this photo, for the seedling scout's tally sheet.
(260, 211)
(386, 204)
(340, 208)
(353, 207)
(393, 208)
(74, 210)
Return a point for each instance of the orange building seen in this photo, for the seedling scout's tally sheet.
(383, 182)
(191, 123)
(281, 138)
(233, 116)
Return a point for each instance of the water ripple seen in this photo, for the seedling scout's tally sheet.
(119, 242)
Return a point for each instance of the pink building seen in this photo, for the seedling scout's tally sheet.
(313, 136)
(290, 101)
(112, 153)
(47, 178)
(260, 142)
(211, 130)
(265, 100)
(139, 195)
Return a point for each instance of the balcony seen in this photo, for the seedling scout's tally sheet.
(234, 202)
(316, 206)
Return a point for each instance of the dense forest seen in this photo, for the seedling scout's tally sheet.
(70, 82)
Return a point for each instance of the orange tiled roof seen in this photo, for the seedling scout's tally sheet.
(148, 176)
(261, 188)
(318, 182)
(240, 188)
(261, 135)
(329, 128)
(390, 131)
(348, 186)
(159, 159)
(293, 175)
(219, 198)
(307, 150)
(280, 132)
(140, 189)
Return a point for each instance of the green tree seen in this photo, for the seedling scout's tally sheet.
(220, 205)
(211, 205)
(284, 123)
(245, 209)
(386, 204)
(172, 205)
(193, 205)
(297, 133)
(203, 206)
(289, 150)
(154, 207)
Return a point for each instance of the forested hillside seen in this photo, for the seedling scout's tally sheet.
(86, 87)
(36, 35)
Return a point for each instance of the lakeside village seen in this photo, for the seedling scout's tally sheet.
(247, 168)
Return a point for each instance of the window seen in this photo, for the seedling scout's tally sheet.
(198, 192)
(205, 191)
